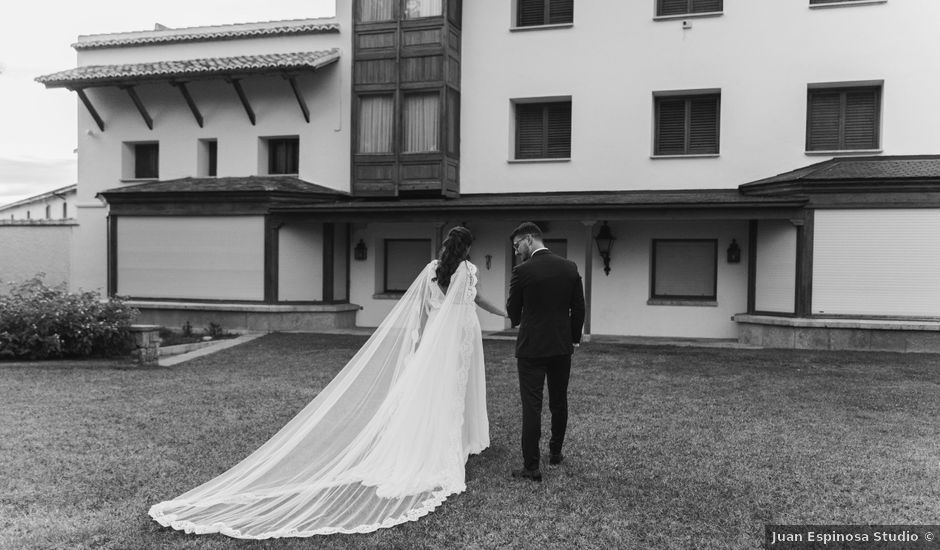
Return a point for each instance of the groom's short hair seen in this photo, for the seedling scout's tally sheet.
(526, 228)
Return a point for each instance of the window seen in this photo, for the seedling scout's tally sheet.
(48, 211)
(843, 119)
(415, 9)
(65, 210)
(404, 259)
(283, 155)
(208, 157)
(375, 10)
(815, 2)
(687, 125)
(687, 7)
(533, 13)
(146, 160)
(543, 130)
(421, 115)
(376, 122)
(684, 269)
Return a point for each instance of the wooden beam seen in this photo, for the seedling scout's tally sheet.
(804, 265)
(328, 263)
(189, 101)
(131, 91)
(237, 84)
(112, 258)
(91, 108)
(588, 275)
(300, 98)
(272, 226)
(752, 229)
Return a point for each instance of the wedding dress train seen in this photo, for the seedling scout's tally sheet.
(385, 442)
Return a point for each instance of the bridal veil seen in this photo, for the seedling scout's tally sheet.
(385, 442)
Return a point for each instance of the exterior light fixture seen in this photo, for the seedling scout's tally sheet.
(360, 252)
(734, 252)
(604, 240)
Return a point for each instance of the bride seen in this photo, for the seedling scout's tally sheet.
(385, 442)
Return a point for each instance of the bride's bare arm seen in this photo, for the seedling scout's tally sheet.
(486, 305)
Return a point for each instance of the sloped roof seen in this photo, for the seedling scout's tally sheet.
(544, 203)
(248, 184)
(68, 189)
(100, 75)
(207, 33)
(843, 172)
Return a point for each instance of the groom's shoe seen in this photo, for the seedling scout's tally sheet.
(523, 473)
(555, 459)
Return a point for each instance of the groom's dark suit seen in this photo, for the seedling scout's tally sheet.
(546, 298)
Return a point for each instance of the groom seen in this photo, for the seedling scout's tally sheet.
(546, 299)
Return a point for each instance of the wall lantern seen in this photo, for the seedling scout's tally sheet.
(360, 252)
(604, 240)
(734, 252)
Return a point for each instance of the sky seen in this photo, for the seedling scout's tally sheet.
(38, 125)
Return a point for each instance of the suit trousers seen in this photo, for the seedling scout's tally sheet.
(533, 371)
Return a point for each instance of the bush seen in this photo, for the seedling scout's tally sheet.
(40, 322)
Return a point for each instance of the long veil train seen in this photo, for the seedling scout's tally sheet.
(385, 442)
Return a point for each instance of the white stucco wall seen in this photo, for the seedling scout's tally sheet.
(324, 142)
(27, 250)
(619, 304)
(761, 55)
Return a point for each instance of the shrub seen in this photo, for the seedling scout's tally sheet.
(41, 322)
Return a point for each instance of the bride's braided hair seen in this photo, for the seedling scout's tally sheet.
(453, 251)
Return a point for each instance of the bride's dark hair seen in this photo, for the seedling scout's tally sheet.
(453, 251)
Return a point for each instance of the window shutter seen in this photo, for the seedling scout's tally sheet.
(684, 269)
(673, 7)
(531, 13)
(703, 125)
(560, 11)
(670, 131)
(706, 6)
(861, 119)
(559, 130)
(681, 7)
(146, 160)
(543, 130)
(823, 124)
(528, 131)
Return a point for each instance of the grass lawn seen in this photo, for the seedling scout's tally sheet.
(667, 447)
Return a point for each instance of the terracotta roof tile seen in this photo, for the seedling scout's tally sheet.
(91, 75)
(880, 168)
(249, 184)
(207, 33)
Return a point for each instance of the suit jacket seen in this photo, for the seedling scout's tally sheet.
(546, 298)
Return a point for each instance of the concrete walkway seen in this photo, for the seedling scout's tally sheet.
(505, 335)
(171, 360)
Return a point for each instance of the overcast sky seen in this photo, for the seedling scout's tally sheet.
(38, 137)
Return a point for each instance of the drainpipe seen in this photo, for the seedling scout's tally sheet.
(588, 271)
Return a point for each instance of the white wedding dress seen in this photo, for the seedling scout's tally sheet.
(385, 442)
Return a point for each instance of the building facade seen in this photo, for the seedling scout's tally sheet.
(766, 172)
(36, 237)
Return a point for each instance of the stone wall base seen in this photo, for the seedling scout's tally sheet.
(839, 334)
(247, 317)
